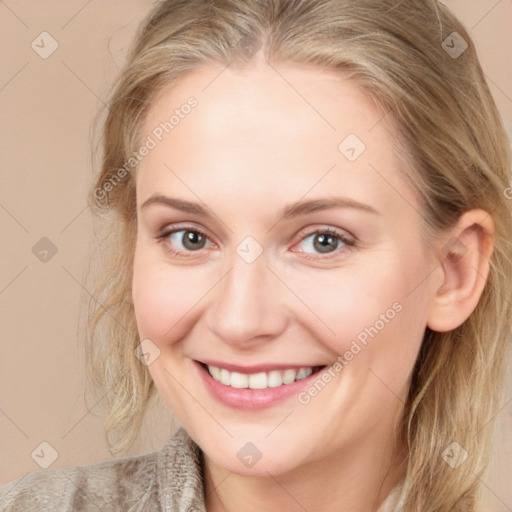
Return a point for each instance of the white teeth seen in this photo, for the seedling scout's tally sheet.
(303, 373)
(289, 376)
(261, 380)
(239, 380)
(274, 379)
(215, 372)
(225, 377)
(258, 380)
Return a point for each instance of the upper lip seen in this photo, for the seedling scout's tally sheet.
(258, 367)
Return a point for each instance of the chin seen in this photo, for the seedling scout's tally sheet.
(249, 461)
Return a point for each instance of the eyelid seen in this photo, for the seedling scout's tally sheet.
(169, 230)
(343, 234)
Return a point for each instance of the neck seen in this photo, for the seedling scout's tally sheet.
(356, 479)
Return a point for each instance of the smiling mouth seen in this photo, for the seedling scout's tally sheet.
(260, 380)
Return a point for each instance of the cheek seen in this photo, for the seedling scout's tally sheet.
(343, 303)
(164, 297)
(371, 316)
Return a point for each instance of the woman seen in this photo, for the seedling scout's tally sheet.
(336, 339)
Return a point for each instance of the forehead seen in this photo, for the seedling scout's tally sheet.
(291, 100)
(273, 130)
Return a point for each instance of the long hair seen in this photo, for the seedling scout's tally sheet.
(419, 65)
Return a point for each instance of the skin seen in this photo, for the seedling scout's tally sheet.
(254, 144)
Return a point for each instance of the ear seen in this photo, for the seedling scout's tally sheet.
(464, 263)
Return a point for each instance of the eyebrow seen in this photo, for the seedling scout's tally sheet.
(285, 213)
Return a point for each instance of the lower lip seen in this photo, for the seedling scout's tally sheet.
(252, 399)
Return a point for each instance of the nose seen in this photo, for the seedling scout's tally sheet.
(249, 305)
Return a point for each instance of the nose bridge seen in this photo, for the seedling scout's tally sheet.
(247, 302)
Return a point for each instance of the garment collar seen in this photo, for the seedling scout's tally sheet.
(180, 475)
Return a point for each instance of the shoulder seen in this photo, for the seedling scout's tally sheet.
(170, 479)
(114, 484)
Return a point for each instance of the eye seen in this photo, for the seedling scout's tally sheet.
(324, 241)
(190, 240)
(180, 241)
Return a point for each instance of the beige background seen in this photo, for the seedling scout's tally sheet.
(47, 107)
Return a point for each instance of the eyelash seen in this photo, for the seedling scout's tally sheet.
(348, 243)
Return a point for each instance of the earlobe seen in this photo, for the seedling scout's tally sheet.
(464, 261)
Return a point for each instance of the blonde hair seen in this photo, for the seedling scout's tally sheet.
(456, 155)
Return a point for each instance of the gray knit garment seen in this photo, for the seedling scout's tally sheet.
(169, 480)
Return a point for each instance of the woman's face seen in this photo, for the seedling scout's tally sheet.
(248, 176)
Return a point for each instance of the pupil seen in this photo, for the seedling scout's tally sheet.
(191, 239)
(329, 243)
